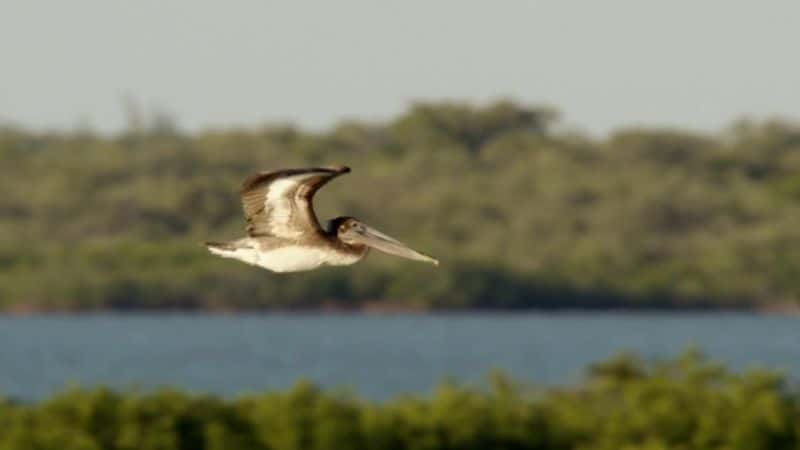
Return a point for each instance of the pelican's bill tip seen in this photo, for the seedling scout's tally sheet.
(339, 168)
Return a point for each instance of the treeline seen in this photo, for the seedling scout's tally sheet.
(687, 403)
(522, 211)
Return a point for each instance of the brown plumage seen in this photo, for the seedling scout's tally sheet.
(290, 209)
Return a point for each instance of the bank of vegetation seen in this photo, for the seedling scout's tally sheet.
(687, 403)
(522, 211)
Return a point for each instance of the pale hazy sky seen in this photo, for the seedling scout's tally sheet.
(690, 63)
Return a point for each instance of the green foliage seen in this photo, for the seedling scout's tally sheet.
(686, 403)
(521, 215)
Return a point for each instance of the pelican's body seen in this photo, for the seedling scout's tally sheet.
(284, 234)
(287, 256)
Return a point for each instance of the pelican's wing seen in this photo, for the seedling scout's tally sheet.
(280, 203)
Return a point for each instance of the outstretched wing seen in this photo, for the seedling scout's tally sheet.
(280, 203)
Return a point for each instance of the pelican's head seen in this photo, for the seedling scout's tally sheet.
(353, 232)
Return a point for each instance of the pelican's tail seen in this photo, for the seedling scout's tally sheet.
(224, 249)
(241, 249)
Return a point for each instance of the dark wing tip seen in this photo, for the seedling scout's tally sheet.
(256, 179)
(252, 181)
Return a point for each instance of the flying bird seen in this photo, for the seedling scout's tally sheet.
(283, 234)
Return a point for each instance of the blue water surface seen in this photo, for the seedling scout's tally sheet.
(376, 356)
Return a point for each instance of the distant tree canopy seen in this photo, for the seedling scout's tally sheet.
(522, 214)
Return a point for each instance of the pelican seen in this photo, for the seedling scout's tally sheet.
(283, 234)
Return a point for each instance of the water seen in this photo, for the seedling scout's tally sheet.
(378, 356)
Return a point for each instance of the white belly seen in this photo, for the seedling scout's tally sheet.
(290, 258)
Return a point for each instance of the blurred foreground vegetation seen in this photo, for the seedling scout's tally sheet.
(687, 403)
(522, 211)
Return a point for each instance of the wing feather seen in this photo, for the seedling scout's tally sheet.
(280, 204)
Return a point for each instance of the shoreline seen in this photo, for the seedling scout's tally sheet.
(397, 310)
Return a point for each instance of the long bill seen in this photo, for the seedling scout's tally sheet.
(375, 239)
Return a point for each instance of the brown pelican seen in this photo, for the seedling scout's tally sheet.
(283, 234)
